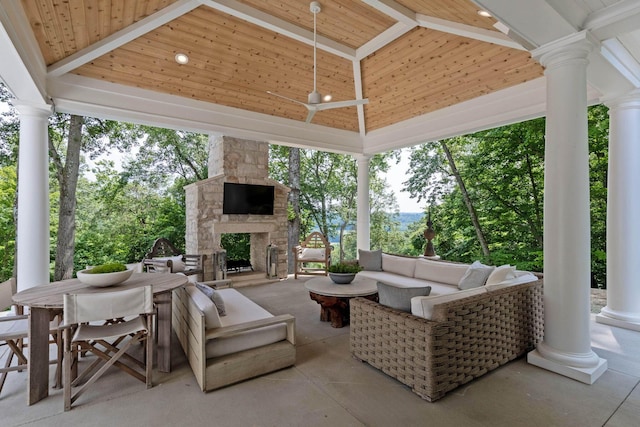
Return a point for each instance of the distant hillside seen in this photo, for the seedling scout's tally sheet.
(407, 218)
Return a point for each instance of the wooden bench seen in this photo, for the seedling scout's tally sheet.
(164, 257)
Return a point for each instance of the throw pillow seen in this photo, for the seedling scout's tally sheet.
(399, 298)
(500, 274)
(476, 276)
(370, 260)
(215, 297)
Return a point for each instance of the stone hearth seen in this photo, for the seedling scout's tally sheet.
(243, 162)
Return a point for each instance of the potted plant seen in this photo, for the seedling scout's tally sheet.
(343, 273)
(104, 275)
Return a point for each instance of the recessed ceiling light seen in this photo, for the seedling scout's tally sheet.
(327, 98)
(181, 58)
(484, 13)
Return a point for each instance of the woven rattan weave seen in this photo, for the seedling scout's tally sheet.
(466, 338)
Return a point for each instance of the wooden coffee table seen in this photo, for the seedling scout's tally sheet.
(334, 299)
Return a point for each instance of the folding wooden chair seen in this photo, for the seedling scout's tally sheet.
(125, 319)
(14, 330)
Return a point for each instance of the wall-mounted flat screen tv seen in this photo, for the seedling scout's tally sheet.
(247, 199)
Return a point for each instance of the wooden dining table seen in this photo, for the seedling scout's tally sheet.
(45, 299)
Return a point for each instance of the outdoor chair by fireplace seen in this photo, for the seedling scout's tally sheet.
(314, 250)
(164, 257)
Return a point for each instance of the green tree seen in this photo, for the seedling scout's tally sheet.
(69, 136)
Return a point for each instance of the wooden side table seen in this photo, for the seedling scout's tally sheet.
(334, 299)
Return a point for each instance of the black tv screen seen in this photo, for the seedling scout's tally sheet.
(244, 199)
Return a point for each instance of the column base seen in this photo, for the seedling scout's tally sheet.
(584, 375)
(611, 321)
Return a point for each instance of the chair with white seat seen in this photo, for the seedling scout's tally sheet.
(125, 319)
(14, 330)
(314, 250)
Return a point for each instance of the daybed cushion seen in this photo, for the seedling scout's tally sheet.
(475, 276)
(423, 306)
(439, 271)
(241, 309)
(204, 303)
(399, 265)
(399, 298)
(214, 296)
(370, 260)
(501, 274)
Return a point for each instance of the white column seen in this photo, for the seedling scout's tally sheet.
(623, 205)
(33, 196)
(363, 213)
(566, 346)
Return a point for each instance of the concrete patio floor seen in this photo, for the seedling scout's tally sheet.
(328, 387)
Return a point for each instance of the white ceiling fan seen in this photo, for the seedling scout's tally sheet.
(315, 101)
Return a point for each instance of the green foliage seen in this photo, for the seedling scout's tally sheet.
(237, 245)
(107, 268)
(344, 268)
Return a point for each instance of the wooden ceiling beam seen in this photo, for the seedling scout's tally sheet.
(122, 37)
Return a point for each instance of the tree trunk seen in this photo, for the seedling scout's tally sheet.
(68, 178)
(294, 200)
(467, 200)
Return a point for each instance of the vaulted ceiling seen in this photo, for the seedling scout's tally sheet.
(426, 66)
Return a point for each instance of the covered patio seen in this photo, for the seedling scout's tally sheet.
(328, 387)
(430, 70)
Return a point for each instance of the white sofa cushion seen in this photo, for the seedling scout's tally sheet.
(501, 274)
(439, 271)
(423, 306)
(241, 309)
(475, 276)
(520, 277)
(399, 265)
(204, 303)
(408, 282)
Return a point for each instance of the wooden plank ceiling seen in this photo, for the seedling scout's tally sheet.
(235, 60)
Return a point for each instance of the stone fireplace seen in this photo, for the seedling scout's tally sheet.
(243, 162)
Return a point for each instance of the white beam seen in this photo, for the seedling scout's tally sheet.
(468, 31)
(75, 94)
(619, 18)
(393, 10)
(357, 82)
(22, 67)
(381, 40)
(622, 60)
(122, 37)
(264, 20)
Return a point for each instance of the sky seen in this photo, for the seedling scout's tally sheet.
(395, 177)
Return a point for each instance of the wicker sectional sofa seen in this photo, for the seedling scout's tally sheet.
(464, 338)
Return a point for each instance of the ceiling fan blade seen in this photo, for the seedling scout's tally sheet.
(287, 98)
(312, 111)
(340, 104)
